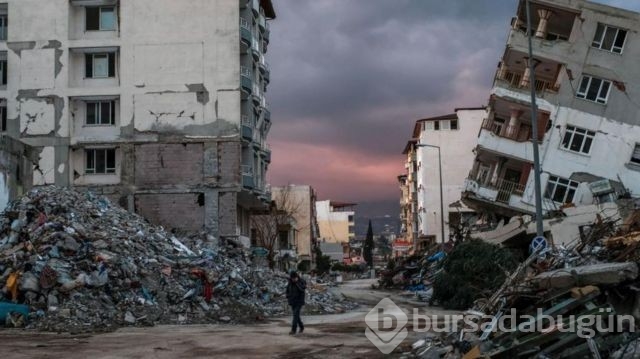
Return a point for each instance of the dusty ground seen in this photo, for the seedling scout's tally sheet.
(338, 336)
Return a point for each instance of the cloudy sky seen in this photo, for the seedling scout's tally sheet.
(351, 77)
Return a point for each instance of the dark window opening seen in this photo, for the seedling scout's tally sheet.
(100, 161)
(3, 117)
(101, 113)
(100, 18)
(454, 124)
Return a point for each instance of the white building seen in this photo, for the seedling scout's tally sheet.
(454, 136)
(158, 104)
(588, 89)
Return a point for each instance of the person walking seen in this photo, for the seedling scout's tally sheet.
(295, 295)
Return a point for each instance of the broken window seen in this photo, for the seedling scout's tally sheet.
(100, 161)
(609, 38)
(635, 156)
(578, 139)
(100, 65)
(100, 18)
(3, 117)
(560, 189)
(101, 113)
(594, 89)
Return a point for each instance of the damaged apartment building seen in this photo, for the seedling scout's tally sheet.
(588, 96)
(157, 104)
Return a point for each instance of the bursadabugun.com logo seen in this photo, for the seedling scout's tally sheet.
(386, 326)
(386, 323)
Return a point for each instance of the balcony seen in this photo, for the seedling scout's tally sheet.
(255, 49)
(504, 197)
(255, 7)
(267, 75)
(244, 4)
(266, 153)
(245, 35)
(247, 176)
(513, 74)
(262, 64)
(247, 128)
(267, 115)
(246, 81)
(256, 95)
(262, 23)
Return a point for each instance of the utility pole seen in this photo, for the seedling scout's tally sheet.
(534, 124)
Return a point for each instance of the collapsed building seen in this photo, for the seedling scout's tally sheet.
(166, 117)
(587, 88)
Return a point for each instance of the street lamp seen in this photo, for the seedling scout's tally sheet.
(441, 196)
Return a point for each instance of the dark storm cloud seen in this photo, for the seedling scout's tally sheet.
(350, 77)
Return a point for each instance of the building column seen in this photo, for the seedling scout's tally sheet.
(526, 77)
(544, 15)
(514, 123)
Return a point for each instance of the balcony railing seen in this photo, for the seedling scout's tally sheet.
(515, 133)
(506, 189)
(514, 79)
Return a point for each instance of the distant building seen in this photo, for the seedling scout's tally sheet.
(588, 95)
(455, 135)
(303, 198)
(336, 221)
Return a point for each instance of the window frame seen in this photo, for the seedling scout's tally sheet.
(3, 119)
(112, 59)
(4, 27)
(599, 43)
(570, 186)
(633, 153)
(574, 132)
(583, 94)
(98, 114)
(92, 154)
(100, 9)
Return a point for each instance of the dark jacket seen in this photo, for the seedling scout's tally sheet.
(295, 292)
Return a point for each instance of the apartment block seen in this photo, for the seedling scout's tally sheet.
(449, 139)
(336, 221)
(158, 104)
(587, 84)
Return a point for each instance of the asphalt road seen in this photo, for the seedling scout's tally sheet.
(337, 336)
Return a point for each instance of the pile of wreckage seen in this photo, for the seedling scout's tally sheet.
(574, 301)
(415, 274)
(72, 261)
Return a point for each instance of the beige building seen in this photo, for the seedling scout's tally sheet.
(302, 198)
(336, 221)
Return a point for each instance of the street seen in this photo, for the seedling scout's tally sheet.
(338, 336)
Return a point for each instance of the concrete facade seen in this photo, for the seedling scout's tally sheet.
(130, 100)
(336, 221)
(588, 90)
(455, 135)
(303, 198)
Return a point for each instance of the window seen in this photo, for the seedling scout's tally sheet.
(436, 125)
(635, 156)
(578, 139)
(454, 124)
(283, 239)
(100, 161)
(4, 24)
(560, 189)
(100, 65)
(445, 124)
(428, 125)
(609, 38)
(101, 113)
(3, 70)
(3, 117)
(102, 18)
(594, 89)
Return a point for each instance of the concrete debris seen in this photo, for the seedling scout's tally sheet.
(578, 301)
(72, 261)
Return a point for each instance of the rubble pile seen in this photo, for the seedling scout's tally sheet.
(582, 300)
(72, 261)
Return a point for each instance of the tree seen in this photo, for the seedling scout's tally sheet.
(367, 251)
(280, 216)
(323, 263)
